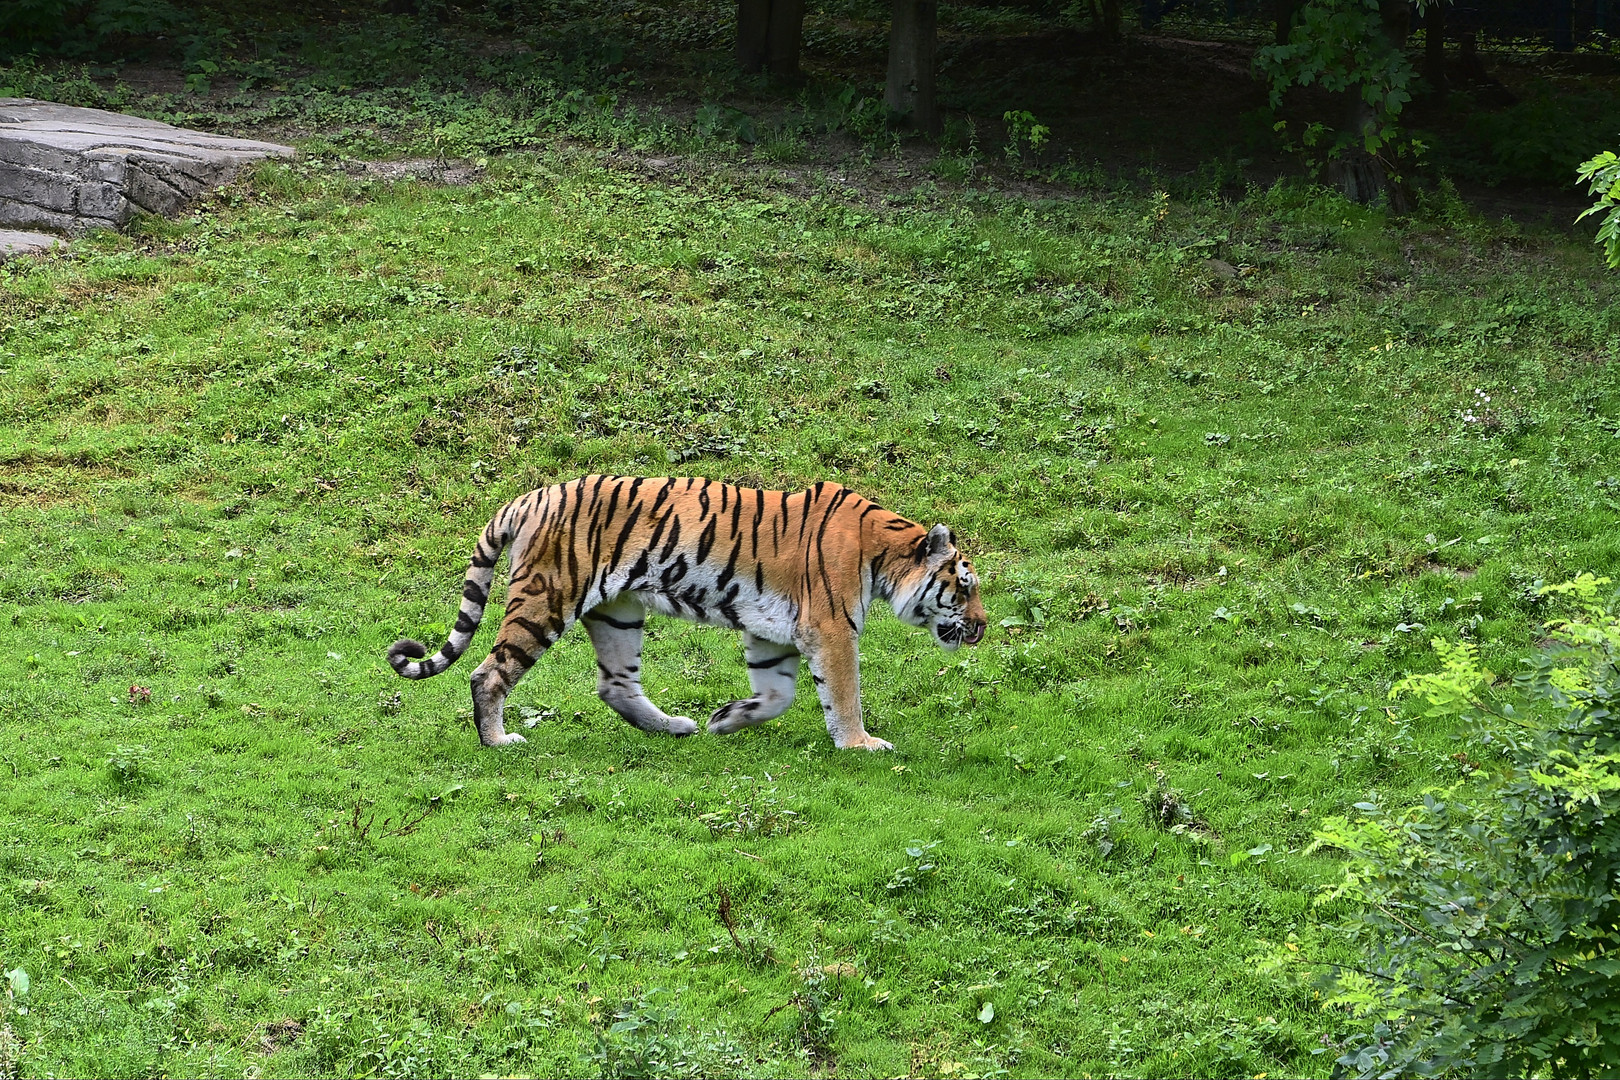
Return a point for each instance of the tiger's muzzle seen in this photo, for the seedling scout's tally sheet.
(965, 632)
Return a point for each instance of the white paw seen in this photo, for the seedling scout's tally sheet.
(681, 725)
(506, 739)
(867, 742)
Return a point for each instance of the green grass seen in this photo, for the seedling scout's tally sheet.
(241, 453)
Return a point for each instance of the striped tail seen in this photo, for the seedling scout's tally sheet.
(405, 656)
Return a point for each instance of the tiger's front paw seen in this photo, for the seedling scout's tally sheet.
(505, 738)
(866, 742)
(681, 726)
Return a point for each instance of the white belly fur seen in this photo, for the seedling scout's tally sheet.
(763, 615)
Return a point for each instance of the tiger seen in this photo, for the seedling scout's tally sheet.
(796, 572)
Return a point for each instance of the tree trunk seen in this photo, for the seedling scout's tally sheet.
(1434, 47)
(1107, 17)
(909, 93)
(786, 30)
(1563, 26)
(1360, 176)
(1284, 11)
(753, 22)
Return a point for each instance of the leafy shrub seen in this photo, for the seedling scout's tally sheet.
(1542, 139)
(1602, 176)
(82, 27)
(647, 1039)
(1490, 932)
(1340, 45)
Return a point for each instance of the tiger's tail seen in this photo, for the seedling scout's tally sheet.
(406, 656)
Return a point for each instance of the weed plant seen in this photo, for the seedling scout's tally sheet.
(1226, 468)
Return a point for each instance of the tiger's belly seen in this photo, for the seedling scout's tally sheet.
(763, 615)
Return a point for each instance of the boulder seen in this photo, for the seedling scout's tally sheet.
(72, 169)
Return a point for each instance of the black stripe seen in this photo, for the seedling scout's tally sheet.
(624, 534)
(534, 630)
(771, 663)
(731, 566)
(674, 572)
(471, 590)
(674, 537)
(759, 515)
(706, 540)
(596, 616)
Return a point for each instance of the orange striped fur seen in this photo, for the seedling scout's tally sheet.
(795, 571)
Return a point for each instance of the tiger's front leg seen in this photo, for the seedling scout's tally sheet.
(835, 665)
(772, 672)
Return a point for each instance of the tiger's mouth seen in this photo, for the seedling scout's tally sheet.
(961, 633)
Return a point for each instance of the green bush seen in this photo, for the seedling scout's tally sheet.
(1602, 176)
(1487, 915)
(1539, 140)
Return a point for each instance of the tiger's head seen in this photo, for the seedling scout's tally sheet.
(944, 595)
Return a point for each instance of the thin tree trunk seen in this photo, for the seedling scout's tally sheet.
(786, 30)
(1434, 47)
(1109, 17)
(753, 23)
(909, 93)
(1283, 11)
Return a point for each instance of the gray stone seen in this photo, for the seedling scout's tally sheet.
(74, 169)
(24, 243)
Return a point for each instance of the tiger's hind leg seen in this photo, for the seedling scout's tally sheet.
(615, 629)
(773, 671)
(532, 625)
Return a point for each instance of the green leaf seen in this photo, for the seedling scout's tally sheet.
(17, 978)
(987, 1013)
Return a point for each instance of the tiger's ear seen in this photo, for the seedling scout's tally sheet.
(939, 541)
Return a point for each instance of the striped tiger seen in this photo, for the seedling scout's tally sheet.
(794, 571)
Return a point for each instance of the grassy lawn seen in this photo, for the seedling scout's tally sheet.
(1217, 515)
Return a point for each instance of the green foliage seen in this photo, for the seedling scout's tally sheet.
(1541, 139)
(646, 1038)
(1025, 134)
(79, 28)
(1487, 912)
(64, 84)
(1340, 45)
(1601, 174)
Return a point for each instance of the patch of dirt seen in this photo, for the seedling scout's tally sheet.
(1458, 572)
(280, 1034)
(454, 173)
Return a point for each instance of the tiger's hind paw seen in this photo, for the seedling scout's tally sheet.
(734, 716)
(506, 738)
(681, 726)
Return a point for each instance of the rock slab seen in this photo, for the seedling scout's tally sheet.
(13, 242)
(71, 169)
